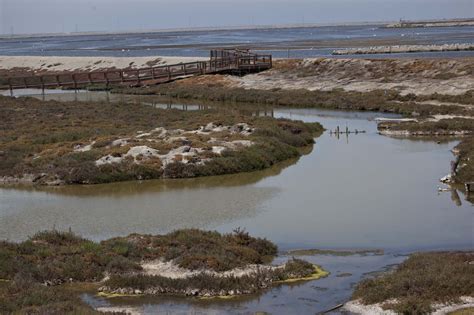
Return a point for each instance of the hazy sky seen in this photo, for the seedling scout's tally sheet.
(41, 16)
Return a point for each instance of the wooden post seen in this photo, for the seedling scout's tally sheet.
(121, 76)
(42, 84)
(75, 81)
(11, 87)
(57, 81)
(106, 80)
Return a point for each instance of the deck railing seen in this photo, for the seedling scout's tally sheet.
(220, 61)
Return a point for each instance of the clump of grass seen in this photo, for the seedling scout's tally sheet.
(24, 296)
(422, 280)
(195, 249)
(295, 269)
(199, 285)
(440, 127)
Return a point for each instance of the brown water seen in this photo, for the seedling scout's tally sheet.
(361, 191)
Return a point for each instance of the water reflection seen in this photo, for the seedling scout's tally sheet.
(156, 206)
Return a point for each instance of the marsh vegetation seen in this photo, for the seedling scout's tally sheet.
(87, 143)
(423, 280)
(41, 272)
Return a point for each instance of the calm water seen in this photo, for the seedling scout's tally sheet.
(361, 191)
(303, 42)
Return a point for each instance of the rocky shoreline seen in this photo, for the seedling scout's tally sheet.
(403, 49)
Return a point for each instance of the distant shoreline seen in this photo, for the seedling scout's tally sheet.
(196, 29)
(433, 23)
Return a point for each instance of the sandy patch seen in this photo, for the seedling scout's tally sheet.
(170, 270)
(466, 301)
(64, 64)
(121, 309)
(440, 117)
(376, 309)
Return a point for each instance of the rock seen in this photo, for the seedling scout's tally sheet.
(54, 182)
(143, 135)
(446, 179)
(120, 142)
(143, 151)
(209, 127)
(192, 292)
(39, 176)
(84, 148)
(108, 159)
(218, 149)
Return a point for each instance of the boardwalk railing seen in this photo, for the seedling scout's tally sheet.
(239, 61)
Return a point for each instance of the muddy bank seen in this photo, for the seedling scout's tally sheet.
(403, 49)
(130, 142)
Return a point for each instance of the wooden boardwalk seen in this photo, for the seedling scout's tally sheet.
(221, 61)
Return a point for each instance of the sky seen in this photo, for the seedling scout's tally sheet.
(55, 16)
